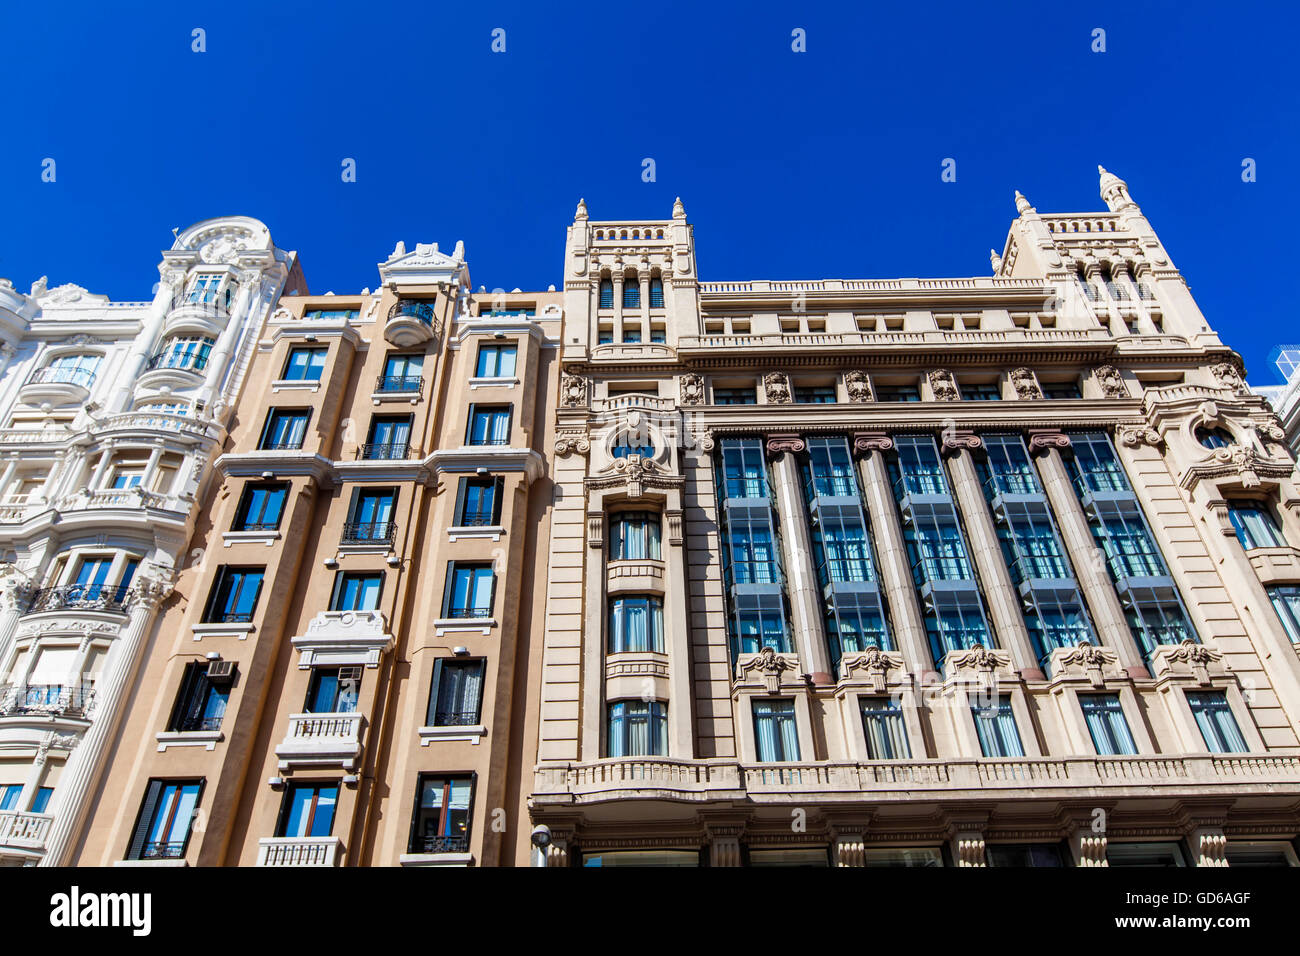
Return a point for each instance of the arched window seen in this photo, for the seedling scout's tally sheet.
(71, 370)
(631, 293)
(606, 294)
(629, 444)
(656, 293)
(1214, 437)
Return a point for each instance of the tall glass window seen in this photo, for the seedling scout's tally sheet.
(760, 628)
(480, 502)
(1255, 525)
(442, 816)
(1107, 724)
(776, 735)
(882, 720)
(636, 623)
(261, 507)
(631, 293)
(1218, 726)
(163, 827)
(1286, 601)
(470, 589)
(305, 364)
(638, 728)
(234, 595)
(634, 536)
(744, 472)
(308, 810)
(496, 361)
(285, 429)
(357, 591)
(606, 294)
(489, 425)
(996, 726)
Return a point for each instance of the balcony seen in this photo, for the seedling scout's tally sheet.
(411, 323)
(383, 451)
(400, 386)
(180, 367)
(200, 311)
(58, 385)
(92, 597)
(47, 700)
(299, 851)
(23, 835)
(362, 533)
(322, 740)
(344, 638)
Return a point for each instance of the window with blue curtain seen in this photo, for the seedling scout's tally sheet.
(1255, 525)
(844, 543)
(897, 393)
(1107, 724)
(496, 361)
(656, 293)
(776, 735)
(604, 336)
(442, 818)
(305, 365)
(830, 469)
(234, 595)
(744, 471)
(1218, 726)
(955, 629)
(632, 334)
(73, 369)
(853, 629)
(634, 536)
(753, 553)
(636, 623)
(1286, 601)
(41, 802)
(1007, 465)
(469, 590)
(285, 429)
(882, 721)
(980, 392)
(1095, 465)
(92, 574)
(938, 553)
(638, 728)
(606, 294)
(489, 425)
(658, 333)
(163, 828)
(184, 352)
(996, 726)
(815, 395)
(357, 591)
(308, 810)
(261, 507)
(760, 628)
(1128, 548)
(631, 293)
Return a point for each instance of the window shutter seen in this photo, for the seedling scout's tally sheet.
(435, 692)
(448, 587)
(142, 824)
(458, 517)
(492, 594)
(469, 429)
(497, 493)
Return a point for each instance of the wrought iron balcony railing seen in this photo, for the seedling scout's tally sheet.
(98, 597)
(163, 850)
(469, 612)
(455, 718)
(383, 451)
(369, 532)
(174, 359)
(46, 699)
(456, 843)
(476, 519)
(60, 375)
(400, 383)
(407, 308)
(192, 723)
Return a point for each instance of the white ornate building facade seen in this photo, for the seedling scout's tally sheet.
(110, 416)
(976, 571)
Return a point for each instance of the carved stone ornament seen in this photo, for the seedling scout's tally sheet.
(780, 444)
(864, 442)
(1092, 660)
(692, 386)
(858, 384)
(1134, 435)
(1111, 382)
(769, 665)
(634, 469)
(573, 391)
(957, 439)
(15, 588)
(943, 385)
(571, 440)
(980, 657)
(703, 438)
(1025, 384)
(1041, 439)
(151, 587)
(874, 664)
(222, 249)
(1196, 657)
(1269, 431)
(776, 385)
(1228, 376)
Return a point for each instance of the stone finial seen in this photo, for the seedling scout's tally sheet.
(679, 210)
(1114, 190)
(581, 214)
(1022, 204)
(398, 250)
(996, 260)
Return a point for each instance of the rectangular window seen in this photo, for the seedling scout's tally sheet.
(897, 393)
(1061, 390)
(234, 595)
(882, 720)
(776, 736)
(442, 814)
(402, 373)
(996, 727)
(261, 506)
(1286, 601)
(389, 438)
(604, 335)
(1218, 726)
(321, 314)
(456, 698)
(201, 703)
(631, 293)
(372, 516)
(470, 590)
(744, 472)
(980, 392)
(735, 396)
(304, 365)
(162, 830)
(1144, 854)
(656, 293)
(658, 333)
(285, 429)
(9, 794)
(479, 502)
(1255, 525)
(127, 476)
(903, 856)
(333, 690)
(631, 334)
(357, 591)
(638, 728)
(308, 810)
(1107, 724)
(489, 425)
(636, 623)
(634, 536)
(495, 361)
(815, 395)
(1025, 854)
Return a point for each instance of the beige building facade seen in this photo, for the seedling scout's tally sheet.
(341, 675)
(972, 571)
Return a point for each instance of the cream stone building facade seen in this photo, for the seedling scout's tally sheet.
(342, 674)
(977, 571)
(110, 416)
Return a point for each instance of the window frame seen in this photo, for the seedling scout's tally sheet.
(241, 523)
(449, 589)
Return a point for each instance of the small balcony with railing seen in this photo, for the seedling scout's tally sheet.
(322, 740)
(75, 700)
(393, 387)
(384, 451)
(299, 851)
(368, 536)
(182, 366)
(80, 597)
(23, 836)
(58, 385)
(411, 322)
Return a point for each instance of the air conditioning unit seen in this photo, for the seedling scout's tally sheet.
(221, 672)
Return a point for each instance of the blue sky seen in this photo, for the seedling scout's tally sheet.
(791, 165)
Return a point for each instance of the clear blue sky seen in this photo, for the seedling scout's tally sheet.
(791, 165)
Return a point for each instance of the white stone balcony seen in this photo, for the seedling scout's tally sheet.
(22, 835)
(299, 851)
(315, 740)
(343, 638)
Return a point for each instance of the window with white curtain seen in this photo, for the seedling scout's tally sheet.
(636, 623)
(882, 721)
(1286, 601)
(457, 695)
(1218, 726)
(637, 728)
(996, 726)
(489, 425)
(1255, 525)
(776, 734)
(634, 536)
(1107, 724)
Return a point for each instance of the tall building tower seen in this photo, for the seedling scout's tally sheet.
(968, 571)
(342, 677)
(112, 414)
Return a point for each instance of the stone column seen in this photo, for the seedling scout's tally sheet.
(967, 848)
(1209, 846)
(849, 849)
(146, 340)
(643, 275)
(618, 303)
(681, 738)
(895, 568)
(15, 593)
(1088, 848)
(85, 764)
(999, 592)
(806, 602)
(235, 318)
(724, 846)
(1089, 562)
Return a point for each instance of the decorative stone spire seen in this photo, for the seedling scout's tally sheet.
(581, 214)
(996, 260)
(1115, 191)
(1022, 204)
(679, 211)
